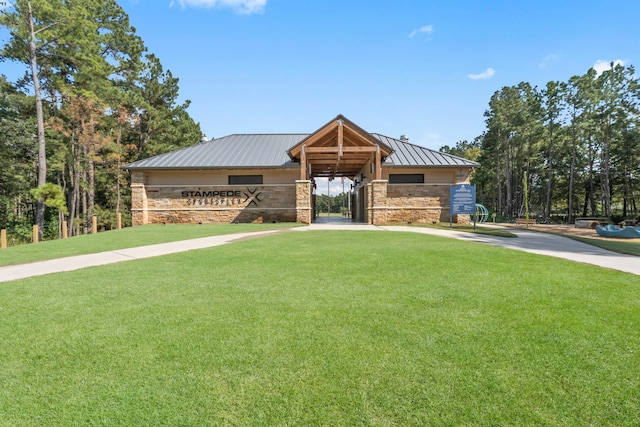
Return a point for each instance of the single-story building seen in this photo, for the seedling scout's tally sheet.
(271, 178)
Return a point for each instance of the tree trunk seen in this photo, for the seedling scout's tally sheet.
(91, 190)
(118, 185)
(83, 199)
(592, 185)
(507, 173)
(591, 192)
(585, 205)
(42, 153)
(498, 185)
(606, 171)
(74, 191)
(572, 170)
(60, 214)
(627, 190)
(572, 174)
(547, 205)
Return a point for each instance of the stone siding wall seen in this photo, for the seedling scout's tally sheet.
(304, 203)
(138, 198)
(421, 203)
(377, 202)
(213, 204)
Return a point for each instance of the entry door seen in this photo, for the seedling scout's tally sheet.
(361, 205)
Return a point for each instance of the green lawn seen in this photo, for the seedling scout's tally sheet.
(324, 328)
(121, 239)
(467, 228)
(331, 214)
(629, 247)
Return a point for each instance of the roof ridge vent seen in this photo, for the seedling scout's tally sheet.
(404, 137)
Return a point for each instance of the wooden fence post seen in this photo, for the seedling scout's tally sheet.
(65, 233)
(94, 224)
(35, 233)
(3, 238)
(119, 220)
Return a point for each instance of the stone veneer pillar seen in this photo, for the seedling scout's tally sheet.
(139, 205)
(377, 205)
(304, 209)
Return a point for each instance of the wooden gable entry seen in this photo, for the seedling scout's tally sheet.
(339, 149)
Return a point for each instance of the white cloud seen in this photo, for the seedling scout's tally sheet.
(603, 65)
(547, 60)
(427, 29)
(487, 74)
(241, 6)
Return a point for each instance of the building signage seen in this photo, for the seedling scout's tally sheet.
(462, 200)
(246, 197)
(230, 193)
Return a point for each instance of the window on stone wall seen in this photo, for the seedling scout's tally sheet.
(245, 179)
(406, 178)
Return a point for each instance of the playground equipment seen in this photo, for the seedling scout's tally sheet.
(482, 213)
(620, 233)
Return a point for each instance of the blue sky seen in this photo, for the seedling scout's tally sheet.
(417, 67)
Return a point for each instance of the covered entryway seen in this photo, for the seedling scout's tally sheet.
(339, 149)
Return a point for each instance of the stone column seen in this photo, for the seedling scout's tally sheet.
(462, 176)
(377, 202)
(139, 206)
(303, 202)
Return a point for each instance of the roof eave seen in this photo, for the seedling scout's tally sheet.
(476, 165)
(292, 165)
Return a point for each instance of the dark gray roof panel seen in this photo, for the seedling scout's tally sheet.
(243, 151)
(407, 154)
(271, 150)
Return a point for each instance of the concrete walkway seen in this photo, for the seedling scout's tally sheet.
(543, 244)
(14, 272)
(528, 241)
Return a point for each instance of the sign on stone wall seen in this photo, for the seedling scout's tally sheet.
(462, 200)
(214, 204)
(247, 197)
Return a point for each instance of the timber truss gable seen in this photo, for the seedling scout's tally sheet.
(339, 149)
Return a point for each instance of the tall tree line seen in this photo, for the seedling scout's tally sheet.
(92, 99)
(576, 142)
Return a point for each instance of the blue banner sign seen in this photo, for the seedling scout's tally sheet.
(462, 199)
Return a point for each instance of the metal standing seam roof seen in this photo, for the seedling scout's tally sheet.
(407, 154)
(271, 151)
(237, 150)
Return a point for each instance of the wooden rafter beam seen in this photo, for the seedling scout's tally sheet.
(363, 137)
(340, 161)
(335, 174)
(378, 163)
(340, 138)
(311, 150)
(363, 157)
(316, 138)
(328, 141)
(303, 164)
